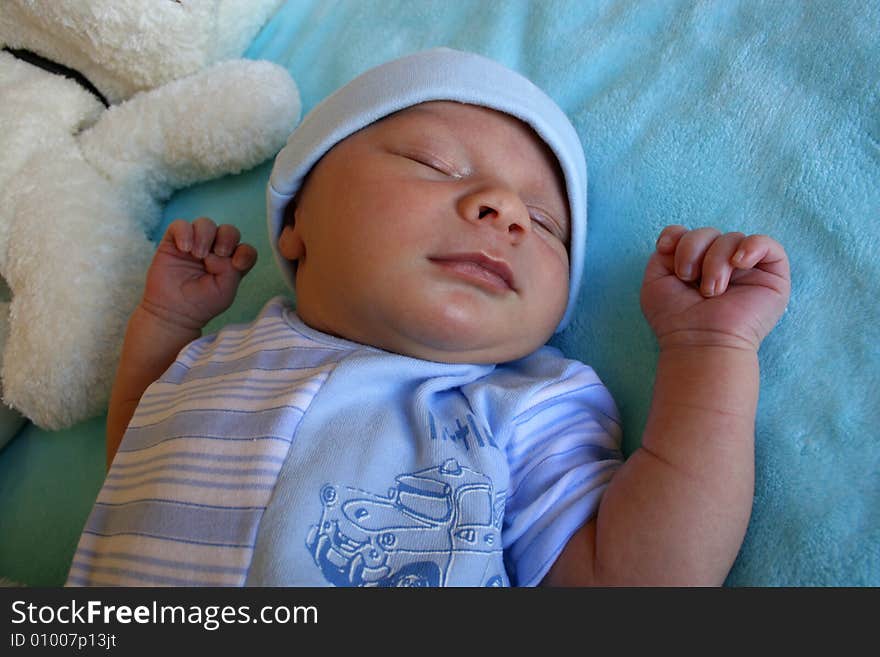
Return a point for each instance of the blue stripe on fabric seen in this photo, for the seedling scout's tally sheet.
(532, 477)
(237, 424)
(250, 340)
(562, 413)
(149, 578)
(590, 404)
(240, 412)
(579, 421)
(272, 360)
(221, 349)
(165, 538)
(152, 404)
(196, 505)
(231, 382)
(220, 385)
(177, 522)
(162, 563)
(193, 483)
(155, 407)
(219, 458)
(268, 359)
(217, 370)
(200, 469)
(240, 334)
(131, 450)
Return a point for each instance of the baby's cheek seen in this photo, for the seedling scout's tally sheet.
(555, 265)
(550, 299)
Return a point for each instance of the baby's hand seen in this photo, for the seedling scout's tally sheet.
(195, 272)
(704, 288)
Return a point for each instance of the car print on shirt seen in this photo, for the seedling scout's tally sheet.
(440, 526)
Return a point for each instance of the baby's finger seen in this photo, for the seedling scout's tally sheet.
(227, 238)
(763, 251)
(204, 232)
(180, 234)
(764, 254)
(691, 250)
(244, 258)
(668, 239)
(716, 264)
(229, 271)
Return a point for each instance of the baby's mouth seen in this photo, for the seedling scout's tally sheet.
(487, 272)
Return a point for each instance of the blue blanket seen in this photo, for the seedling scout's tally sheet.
(755, 116)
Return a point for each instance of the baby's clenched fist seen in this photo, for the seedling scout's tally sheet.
(196, 271)
(706, 287)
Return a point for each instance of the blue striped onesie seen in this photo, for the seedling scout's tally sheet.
(270, 454)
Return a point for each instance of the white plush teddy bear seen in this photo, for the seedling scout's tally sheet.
(81, 185)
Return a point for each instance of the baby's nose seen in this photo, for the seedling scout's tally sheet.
(502, 208)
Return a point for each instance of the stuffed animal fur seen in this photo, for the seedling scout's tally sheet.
(81, 185)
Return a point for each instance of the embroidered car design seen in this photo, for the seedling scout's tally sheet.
(433, 528)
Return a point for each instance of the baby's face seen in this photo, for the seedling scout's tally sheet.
(439, 232)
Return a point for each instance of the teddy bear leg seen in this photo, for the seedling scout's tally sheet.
(40, 113)
(76, 265)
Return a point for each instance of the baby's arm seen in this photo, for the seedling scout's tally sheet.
(192, 279)
(677, 510)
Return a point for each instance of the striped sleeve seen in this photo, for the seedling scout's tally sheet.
(563, 452)
(197, 466)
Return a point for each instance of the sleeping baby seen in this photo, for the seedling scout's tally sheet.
(404, 423)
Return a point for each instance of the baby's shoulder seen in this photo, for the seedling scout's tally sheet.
(275, 328)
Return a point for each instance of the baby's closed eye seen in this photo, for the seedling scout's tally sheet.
(545, 221)
(432, 161)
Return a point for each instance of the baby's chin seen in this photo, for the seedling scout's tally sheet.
(448, 327)
(457, 338)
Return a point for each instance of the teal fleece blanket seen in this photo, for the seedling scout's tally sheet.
(756, 116)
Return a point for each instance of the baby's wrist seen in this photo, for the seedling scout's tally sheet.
(706, 339)
(167, 321)
(721, 380)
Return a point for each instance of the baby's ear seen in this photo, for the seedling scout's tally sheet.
(290, 244)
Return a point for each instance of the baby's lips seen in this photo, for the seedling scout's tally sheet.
(492, 270)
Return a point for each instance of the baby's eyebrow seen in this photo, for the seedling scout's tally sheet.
(439, 135)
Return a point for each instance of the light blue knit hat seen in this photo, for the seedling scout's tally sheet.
(439, 74)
